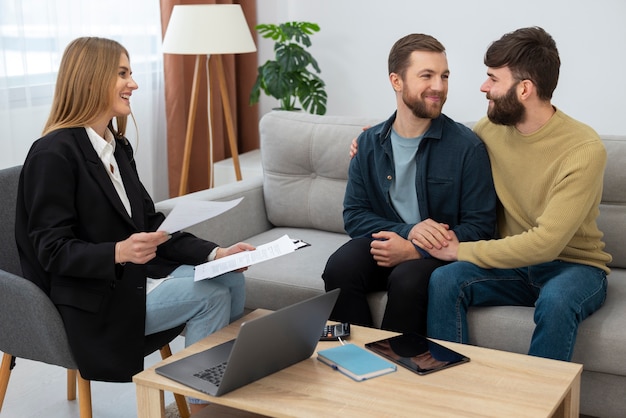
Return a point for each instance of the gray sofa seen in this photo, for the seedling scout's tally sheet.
(305, 160)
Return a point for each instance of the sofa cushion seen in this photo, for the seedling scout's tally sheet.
(305, 164)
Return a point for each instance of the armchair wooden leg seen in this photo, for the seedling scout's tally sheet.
(71, 384)
(84, 397)
(181, 402)
(165, 351)
(5, 373)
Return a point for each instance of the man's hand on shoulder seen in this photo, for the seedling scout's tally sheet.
(390, 249)
(354, 147)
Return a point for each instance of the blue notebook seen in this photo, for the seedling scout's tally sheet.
(355, 362)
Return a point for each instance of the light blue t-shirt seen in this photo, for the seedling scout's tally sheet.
(403, 191)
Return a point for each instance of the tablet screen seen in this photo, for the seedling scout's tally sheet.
(417, 353)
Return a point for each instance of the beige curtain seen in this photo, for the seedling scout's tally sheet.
(240, 76)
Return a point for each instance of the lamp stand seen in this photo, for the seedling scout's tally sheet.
(228, 117)
(191, 120)
(230, 128)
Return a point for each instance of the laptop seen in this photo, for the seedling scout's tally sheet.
(263, 346)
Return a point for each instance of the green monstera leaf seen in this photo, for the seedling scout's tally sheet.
(293, 76)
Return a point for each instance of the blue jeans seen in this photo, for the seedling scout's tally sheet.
(563, 294)
(205, 306)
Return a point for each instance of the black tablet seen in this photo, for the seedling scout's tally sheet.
(417, 353)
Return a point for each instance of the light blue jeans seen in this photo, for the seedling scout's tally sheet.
(205, 306)
(563, 294)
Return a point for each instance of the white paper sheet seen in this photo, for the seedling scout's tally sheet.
(281, 246)
(191, 212)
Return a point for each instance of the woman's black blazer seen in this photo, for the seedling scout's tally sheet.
(68, 219)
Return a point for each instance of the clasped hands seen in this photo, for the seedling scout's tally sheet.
(436, 238)
(390, 249)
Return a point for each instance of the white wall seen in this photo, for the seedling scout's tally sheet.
(356, 36)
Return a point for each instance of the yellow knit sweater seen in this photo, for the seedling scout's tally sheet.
(549, 185)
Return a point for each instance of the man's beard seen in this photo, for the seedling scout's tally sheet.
(506, 109)
(419, 107)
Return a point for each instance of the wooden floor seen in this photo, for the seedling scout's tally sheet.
(39, 390)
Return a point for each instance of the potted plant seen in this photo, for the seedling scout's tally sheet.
(292, 76)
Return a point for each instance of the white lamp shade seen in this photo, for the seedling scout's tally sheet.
(199, 29)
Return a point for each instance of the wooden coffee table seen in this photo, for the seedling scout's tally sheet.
(493, 384)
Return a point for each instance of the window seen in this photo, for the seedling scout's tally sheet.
(33, 35)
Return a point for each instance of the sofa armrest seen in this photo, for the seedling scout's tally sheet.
(247, 219)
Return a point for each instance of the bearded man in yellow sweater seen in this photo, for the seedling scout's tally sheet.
(548, 171)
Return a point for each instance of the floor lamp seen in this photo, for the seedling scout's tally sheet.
(211, 30)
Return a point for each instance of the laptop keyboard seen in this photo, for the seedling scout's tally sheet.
(213, 374)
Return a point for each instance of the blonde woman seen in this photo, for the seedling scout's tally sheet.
(85, 227)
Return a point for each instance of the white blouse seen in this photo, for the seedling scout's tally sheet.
(105, 148)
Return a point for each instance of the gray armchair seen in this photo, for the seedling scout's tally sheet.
(30, 325)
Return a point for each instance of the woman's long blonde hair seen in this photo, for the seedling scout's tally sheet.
(84, 86)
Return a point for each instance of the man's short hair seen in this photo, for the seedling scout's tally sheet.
(400, 54)
(531, 54)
